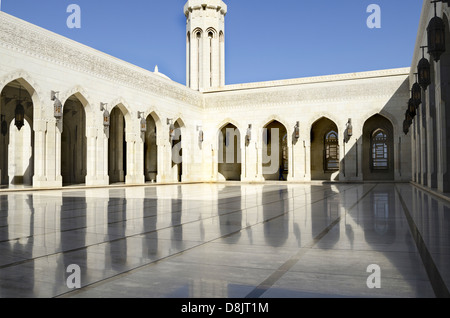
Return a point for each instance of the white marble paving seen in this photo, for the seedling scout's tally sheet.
(223, 241)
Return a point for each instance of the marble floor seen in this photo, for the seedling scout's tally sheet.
(276, 240)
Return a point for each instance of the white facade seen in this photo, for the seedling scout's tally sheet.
(78, 149)
(430, 130)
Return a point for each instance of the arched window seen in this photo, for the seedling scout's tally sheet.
(379, 150)
(285, 154)
(331, 151)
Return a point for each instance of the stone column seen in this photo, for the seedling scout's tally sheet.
(431, 137)
(342, 155)
(418, 148)
(40, 129)
(443, 182)
(215, 61)
(91, 160)
(135, 168)
(160, 177)
(296, 161)
(423, 143)
(307, 154)
(412, 131)
(222, 59)
(102, 152)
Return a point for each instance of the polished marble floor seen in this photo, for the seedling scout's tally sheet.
(226, 241)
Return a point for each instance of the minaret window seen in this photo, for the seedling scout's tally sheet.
(210, 37)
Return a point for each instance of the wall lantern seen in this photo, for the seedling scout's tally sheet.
(248, 135)
(4, 124)
(57, 106)
(408, 118)
(200, 134)
(143, 123)
(405, 127)
(349, 128)
(106, 115)
(416, 93)
(297, 131)
(19, 115)
(436, 35)
(424, 71)
(411, 108)
(171, 128)
(19, 112)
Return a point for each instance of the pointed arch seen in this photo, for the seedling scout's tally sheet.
(226, 122)
(124, 107)
(378, 148)
(18, 94)
(178, 154)
(385, 114)
(275, 150)
(229, 153)
(211, 31)
(151, 147)
(30, 85)
(324, 138)
(73, 138)
(120, 119)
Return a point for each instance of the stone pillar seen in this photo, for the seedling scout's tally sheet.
(194, 60)
(441, 127)
(102, 152)
(40, 129)
(431, 137)
(423, 143)
(222, 59)
(413, 151)
(416, 123)
(188, 59)
(343, 148)
(206, 65)
(307, 154)
(47, 154)
(135, 153)
(161, 157)
(296, 161)
(91, 160)
(359, 159)
(215, 61)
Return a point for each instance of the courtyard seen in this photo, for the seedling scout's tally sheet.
(225, 240)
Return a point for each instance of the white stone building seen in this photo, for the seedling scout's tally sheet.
(296, 130)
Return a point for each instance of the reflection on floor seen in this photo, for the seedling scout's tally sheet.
(227, 241)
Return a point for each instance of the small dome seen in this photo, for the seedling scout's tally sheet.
(161, 74)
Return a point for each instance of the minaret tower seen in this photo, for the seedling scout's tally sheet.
(205, 43)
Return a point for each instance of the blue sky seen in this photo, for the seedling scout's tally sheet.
(265, 40)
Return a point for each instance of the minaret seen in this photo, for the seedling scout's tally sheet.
(205, 43)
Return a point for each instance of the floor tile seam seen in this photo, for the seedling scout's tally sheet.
(439, 287)
(360, 250)
(258, 291)
(363, 274)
